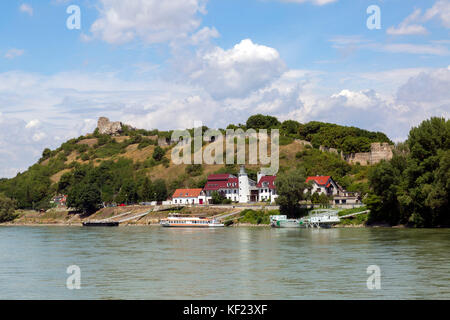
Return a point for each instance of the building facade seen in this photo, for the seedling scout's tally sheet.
(188, 196)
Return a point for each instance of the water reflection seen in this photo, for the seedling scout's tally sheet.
(227, 263)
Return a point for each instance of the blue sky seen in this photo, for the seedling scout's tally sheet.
(165, 64)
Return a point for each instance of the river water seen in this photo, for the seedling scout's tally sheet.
(228, 263)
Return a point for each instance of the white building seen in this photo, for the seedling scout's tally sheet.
(248, 192)
(188, 196)
(266, 188)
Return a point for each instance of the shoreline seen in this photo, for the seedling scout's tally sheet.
(237, 225)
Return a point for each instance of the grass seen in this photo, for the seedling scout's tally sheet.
(353, 210)
(357, 220)
(256, 216)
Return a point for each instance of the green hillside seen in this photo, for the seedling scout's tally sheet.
(132, 167)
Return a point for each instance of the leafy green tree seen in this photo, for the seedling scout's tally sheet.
(65, 182)
(290, 127)
(290, 188)
(217, 198)
(146, 190)
(7, 208)
(128, 192)
(260, 121)
(158, 153)
(160, 190)
(85, 197)
(413, 187)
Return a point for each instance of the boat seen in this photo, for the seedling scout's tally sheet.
(100, 224)
(188, 221)
(281, 221)
(323, 218)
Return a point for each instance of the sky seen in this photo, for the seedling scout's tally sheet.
(167, 63)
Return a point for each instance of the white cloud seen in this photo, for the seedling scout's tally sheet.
(26, 8)
(238, 71)
(152, 21)
(204, 35)
(32, 124)
(38, 136)
(14, 53)
(360, 99)
(433, 86)
(407, 27)
(440, 10)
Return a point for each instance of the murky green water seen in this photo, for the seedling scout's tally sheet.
(229, 263)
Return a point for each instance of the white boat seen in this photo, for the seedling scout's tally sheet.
(318, 219)
(281, 221)
(188, 221)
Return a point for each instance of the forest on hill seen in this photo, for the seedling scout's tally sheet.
(412, 188)
(133, 168)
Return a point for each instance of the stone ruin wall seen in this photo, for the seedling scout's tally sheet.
(378, 151)
(107, 127)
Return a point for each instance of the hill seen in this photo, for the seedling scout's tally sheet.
(132, 165)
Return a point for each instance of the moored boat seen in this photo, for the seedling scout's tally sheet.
(188, 221)
(100, 224)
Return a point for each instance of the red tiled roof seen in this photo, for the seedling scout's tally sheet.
(215, 184)
(270, 182)
(186, 193)
(220, 176)
(320, 180)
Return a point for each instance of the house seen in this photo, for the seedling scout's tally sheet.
(323, 184)
(266, 188)
(188, 196)
(225, 184)
(326, 185)
(241, 189)
(59, 200)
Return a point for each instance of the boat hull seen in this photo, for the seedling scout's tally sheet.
(101, 224)
(177, 225)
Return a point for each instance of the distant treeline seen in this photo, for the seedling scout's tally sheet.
(342, 138)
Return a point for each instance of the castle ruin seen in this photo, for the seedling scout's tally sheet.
(107, 127)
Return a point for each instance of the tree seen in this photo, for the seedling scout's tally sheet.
(47, 153)
(260, 121)
(217, 198)
(7, 208)
(160, 190)
(290, 188)
(290, 127)
(414, 187)
(128, 192)
(85, 197)
(146, 190)
(64, 182)
(158, 153)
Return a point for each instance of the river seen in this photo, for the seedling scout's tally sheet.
(228, 263)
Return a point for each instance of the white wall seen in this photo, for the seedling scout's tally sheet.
(185, 201)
